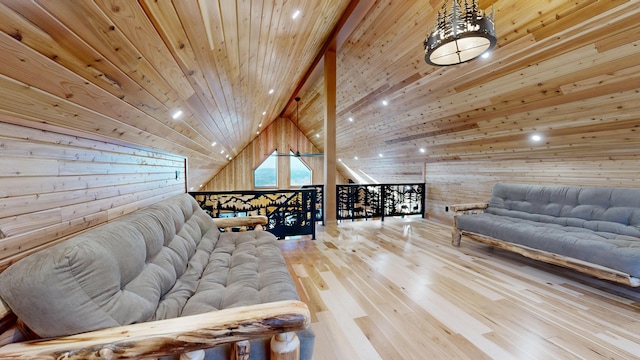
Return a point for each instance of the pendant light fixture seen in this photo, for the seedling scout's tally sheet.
(460, 35)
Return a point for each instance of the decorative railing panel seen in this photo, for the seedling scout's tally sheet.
(295, 212)
(403, 199)
(290, 212)
(380, 200)
(359, 201)
(319, 200)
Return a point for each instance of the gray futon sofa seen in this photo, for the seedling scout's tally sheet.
(590, 229)
(165, 261)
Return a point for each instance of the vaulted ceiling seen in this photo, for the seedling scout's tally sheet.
(117, 70)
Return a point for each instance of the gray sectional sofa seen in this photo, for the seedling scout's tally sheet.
(165, 261)
(590, 229)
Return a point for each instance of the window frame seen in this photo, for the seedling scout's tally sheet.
(307, 166)
(268, 186)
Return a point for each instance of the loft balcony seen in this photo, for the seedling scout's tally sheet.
(296, 212)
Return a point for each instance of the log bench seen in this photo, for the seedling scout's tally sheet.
(161, 282)
(590, 229)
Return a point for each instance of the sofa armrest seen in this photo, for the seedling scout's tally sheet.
(468, 207)
(464, 209)
(240, 221)
(166, 337)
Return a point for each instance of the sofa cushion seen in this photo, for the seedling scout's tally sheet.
(245, 268)
(115, 274)
(617, 205)
(596, 225)
(615, 251)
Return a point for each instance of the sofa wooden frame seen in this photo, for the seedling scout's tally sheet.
(188, 335)
(540, 255)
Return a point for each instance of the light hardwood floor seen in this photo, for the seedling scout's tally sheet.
(398, 289)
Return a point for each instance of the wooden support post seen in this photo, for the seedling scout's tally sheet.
(329, 206)
(241, 350)
(285, 346)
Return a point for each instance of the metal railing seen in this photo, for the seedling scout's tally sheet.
(319, 200)
(380, 200)
(290, 212)
(295, 212)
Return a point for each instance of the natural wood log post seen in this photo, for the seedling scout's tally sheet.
(166, 337)
(456, 236)
(241, 350)
(193, 355)
(106, 354)
(240, 221)
(285, 346)
(462, 209)
(227, 223)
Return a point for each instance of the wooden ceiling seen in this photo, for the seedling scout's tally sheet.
(117, 70)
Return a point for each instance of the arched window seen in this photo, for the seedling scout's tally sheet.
(266, 174)
(299, 172)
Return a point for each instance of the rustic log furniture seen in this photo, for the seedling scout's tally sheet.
(161, 281)
(589, 229)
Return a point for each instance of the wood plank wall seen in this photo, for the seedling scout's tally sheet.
(54, 185)
(472, 181)
(282, 135)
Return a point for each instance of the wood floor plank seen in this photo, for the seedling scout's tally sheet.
(398, 289)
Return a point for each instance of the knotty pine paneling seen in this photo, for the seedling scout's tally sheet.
(54, 185)
(568, 70)
(116, 71)
(282, 135)
(472, 181)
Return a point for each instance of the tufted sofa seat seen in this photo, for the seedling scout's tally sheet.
(165, 261)
(599, 226)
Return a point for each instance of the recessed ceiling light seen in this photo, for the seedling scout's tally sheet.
(257, 132)
(200, 185)
(264, 113)
(380, 155)
(230, 158)
(351, 119)
(271, 91)
(191, 188)
(340, 160)
(260, 125)
(485, 55)
(295, 14)
(176, 114)
(213, 143)
(422, 150)
(317, 135)
(385, 103)
(221, 151)
(355, 158)
(536, 137)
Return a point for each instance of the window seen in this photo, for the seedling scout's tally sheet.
(266, 175)
(299, 172)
